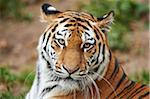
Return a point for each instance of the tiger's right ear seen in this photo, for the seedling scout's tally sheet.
(48, 13)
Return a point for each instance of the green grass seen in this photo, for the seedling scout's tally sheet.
(24, 81)
(11, 81)
(142, 77)
(14, 9)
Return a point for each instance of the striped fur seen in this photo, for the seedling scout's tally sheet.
(75, 61)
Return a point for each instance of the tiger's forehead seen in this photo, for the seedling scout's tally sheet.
(77, 22)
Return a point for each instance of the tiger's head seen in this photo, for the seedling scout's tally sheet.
(74, 47)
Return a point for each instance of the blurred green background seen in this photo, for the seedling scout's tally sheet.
(20, 29)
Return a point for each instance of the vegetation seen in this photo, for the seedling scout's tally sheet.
(143, 77)
(126, 11)
(13, 9)
(13, 86)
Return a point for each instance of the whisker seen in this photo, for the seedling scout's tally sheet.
(32, 72)
(86, 93)
(82, 83)
(74, 94)
(53, 76)
(91, 91)
(96, 87)
(83, 90)
(107, 83)
(88, 86)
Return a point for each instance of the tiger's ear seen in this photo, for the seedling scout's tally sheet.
(105, 21)
(48, 12)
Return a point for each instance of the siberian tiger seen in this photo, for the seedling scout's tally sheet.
(75, 61)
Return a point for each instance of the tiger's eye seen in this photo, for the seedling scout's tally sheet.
(61, 41)
(87, 45)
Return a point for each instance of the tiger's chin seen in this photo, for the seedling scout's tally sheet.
(69, 85)
(64, 88)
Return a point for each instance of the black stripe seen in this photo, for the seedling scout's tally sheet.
(95, 69)
(83, 26)
(138, 90)
(103, 52)
(68, 25)
(120, 81)
(61, 17)
(57, 43)
(99, 45)
(91, 39)
(72, 21)
(52, 53)
(79, 19)
(92, 17)
(48, 89)
(97, 36)
(63, 20)
(77, 30)
(116, 69)
(92, 61)
(99, 33)
(88, 48)
(144, 95)
(44, 37)
(88, 23)
(59, 33)
(94, 51)
(131, 87)
(110, 56)
(54, 27)
(48, 63)
(118, 84)
(92, 56)
(126, 88)
(47, 41)
(100, 18)
(64, 30)
(52, 48)
(59, 71)
(88, 34)
(103, 31)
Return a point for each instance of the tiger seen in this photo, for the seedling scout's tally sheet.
(76, 62)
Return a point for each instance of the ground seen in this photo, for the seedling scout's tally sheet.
(18, 41)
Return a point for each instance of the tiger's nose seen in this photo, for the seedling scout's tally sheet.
(71, 70)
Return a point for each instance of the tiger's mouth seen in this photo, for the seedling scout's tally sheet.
(82, 81)
(72, 84)
(68, 84)
(75, 81)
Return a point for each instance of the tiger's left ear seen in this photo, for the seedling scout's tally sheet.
(105, 21)
(48, 13)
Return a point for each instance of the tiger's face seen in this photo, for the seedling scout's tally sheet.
(74, 46)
